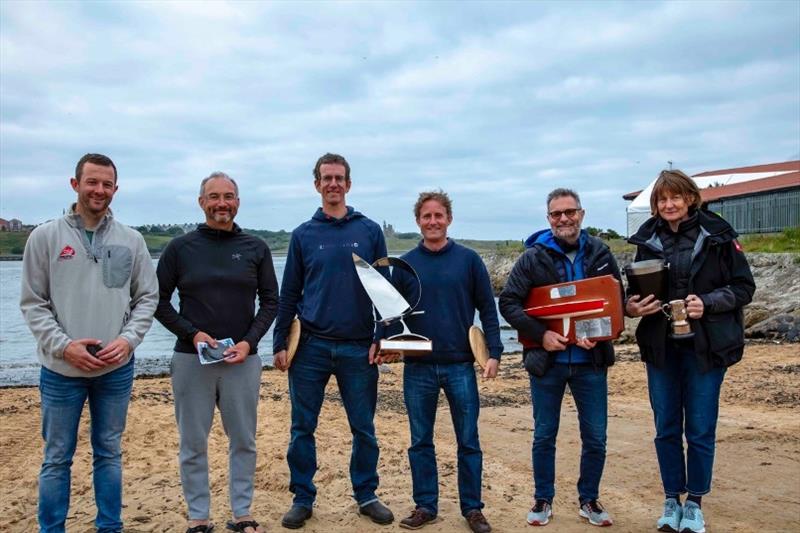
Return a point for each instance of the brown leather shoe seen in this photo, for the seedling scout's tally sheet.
(418, 518)
(477, 522)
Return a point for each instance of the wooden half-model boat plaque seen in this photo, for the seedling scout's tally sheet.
(590, 308)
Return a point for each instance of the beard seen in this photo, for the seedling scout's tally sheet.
(568, 233)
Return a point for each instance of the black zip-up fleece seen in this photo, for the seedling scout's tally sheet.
(719, 274)
(218, 275)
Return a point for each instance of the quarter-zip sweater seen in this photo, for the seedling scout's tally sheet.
(320, 284)
(74, 289)
(218, 275)
(455, 283)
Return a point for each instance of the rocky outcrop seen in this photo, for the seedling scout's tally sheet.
(774, 312)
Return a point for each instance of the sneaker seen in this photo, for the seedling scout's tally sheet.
(377, 512)
(595, 514)
(540, 514)
(671, 519)
(692, 519)
(418, 518)
(477, 522)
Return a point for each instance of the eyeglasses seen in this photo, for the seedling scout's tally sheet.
(571, 213)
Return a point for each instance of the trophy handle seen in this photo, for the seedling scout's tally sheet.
(665, 309)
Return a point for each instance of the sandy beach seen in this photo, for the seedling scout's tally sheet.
(757, 471)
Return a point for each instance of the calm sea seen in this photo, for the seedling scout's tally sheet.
(18, 363)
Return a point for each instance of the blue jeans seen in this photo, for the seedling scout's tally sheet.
(684, 401)
(62, 403)
(314, 363)
(589, 388)
(421, 384)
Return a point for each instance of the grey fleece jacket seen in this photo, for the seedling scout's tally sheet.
(74, 289)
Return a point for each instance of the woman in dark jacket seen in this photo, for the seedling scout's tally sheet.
(709, 272)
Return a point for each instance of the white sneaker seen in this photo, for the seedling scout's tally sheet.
(595, 514)
(671, 518)
(692, 520)
(540, 514)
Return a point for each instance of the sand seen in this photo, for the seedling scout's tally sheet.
(757, 471)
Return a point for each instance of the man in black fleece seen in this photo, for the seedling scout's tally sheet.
(218, 271)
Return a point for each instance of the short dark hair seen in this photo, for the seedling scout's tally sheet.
(95, 159)
(558, 193)
(675, 182)
(439, 196)
(331, 159)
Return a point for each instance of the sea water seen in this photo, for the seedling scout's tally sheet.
(19, 366)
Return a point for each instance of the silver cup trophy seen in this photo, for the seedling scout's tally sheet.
(391, 305)
(675, 310)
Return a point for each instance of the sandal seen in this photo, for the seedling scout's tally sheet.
(242, 526)
(202, 528)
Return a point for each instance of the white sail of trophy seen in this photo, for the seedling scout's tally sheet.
(391, 306)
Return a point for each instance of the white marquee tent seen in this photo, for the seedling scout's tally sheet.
(639, 210)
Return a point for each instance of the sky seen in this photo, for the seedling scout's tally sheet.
(495, 103)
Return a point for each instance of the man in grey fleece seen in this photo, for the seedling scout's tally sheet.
(89, 292)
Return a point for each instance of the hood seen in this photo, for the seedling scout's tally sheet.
(546, 238)
(352, 214)
(207, 230)
(714, 225)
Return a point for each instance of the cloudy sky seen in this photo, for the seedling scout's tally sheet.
(497, 103)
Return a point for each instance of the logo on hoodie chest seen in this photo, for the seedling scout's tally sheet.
(68, 252)
(325, 246)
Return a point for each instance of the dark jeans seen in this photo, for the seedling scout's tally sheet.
(589, 388)
(62, 403)
(421, 384)
(685, 402)
(316, 360)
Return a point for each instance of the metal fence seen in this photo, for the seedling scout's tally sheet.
(763, 213)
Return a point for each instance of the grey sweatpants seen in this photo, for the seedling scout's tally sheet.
(234, 389)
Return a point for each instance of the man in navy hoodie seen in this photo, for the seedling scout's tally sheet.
(321, 287)
(455, 284)
(563, 253)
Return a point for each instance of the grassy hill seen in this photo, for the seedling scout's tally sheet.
(13, 242)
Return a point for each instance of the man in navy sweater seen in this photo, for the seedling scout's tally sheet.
(454, 284)
(321, 287)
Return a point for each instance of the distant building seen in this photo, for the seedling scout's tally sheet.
(755, 199)
(10, 225)
(388, 230)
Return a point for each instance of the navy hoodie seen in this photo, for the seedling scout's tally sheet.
(454, 284)
(320, 284)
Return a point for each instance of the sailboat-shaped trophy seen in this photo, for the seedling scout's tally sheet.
(391, 305)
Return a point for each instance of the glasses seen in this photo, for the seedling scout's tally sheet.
(571, 213)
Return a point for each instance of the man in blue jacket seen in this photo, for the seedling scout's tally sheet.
(563, 253)
(321, 287)
(455, 284)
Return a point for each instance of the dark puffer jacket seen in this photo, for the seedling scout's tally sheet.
(539, 265)
(720, 275)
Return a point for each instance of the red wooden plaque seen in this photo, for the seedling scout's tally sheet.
(590, 308)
